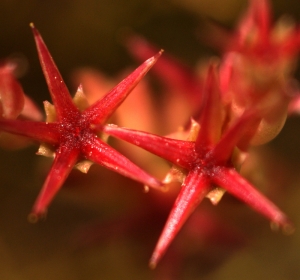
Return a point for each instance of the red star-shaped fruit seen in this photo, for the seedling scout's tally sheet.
(70, 130)
(208, 161)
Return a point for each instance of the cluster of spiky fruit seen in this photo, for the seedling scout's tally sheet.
(241, 101)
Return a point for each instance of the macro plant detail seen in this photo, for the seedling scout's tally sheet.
(209, 162)
(245, 104)
(69, 131)
(233, 103)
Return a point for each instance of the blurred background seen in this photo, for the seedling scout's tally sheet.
(92, 230)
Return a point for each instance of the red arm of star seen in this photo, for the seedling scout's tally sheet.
(262, 16)
(63, 163)
(193, 190)
(102, 154)
(211, 113)
(178, 152)
(39, 131)
(236, 185)
(100, 111)
(224, 148)
(59, 92)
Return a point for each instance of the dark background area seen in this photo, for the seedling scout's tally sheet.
(86, 33)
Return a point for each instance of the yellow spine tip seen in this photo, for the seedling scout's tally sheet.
(32, 218)
(152, 265)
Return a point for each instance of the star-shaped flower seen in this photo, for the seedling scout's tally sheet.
(70, 130)
(208, 161)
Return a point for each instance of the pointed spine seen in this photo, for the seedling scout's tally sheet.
(193, 191)
(178, 152)
(224, 148)
(211, 116)
(100, 111)
(39, 131)
(104, 155)
(236, 185)
(64, 161)
(59, 93)
(263, 20)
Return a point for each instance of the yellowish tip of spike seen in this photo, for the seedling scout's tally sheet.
(32, 218)
(154, 260)
(31, 24)
(288, 229)
(153, 59)
(152, 264)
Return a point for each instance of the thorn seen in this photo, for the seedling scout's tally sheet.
(154, 58)
(152, 263)
(215, 195)
(288, 229)
(34, 217)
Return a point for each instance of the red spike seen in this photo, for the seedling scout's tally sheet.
(236, 185)
(178, 152)
(39, 131)
(64, 161)
(59, 93)
(104, 155)
(211, 117)
(230, 139)
(192, 192)
(263, 20)
(100, 111)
